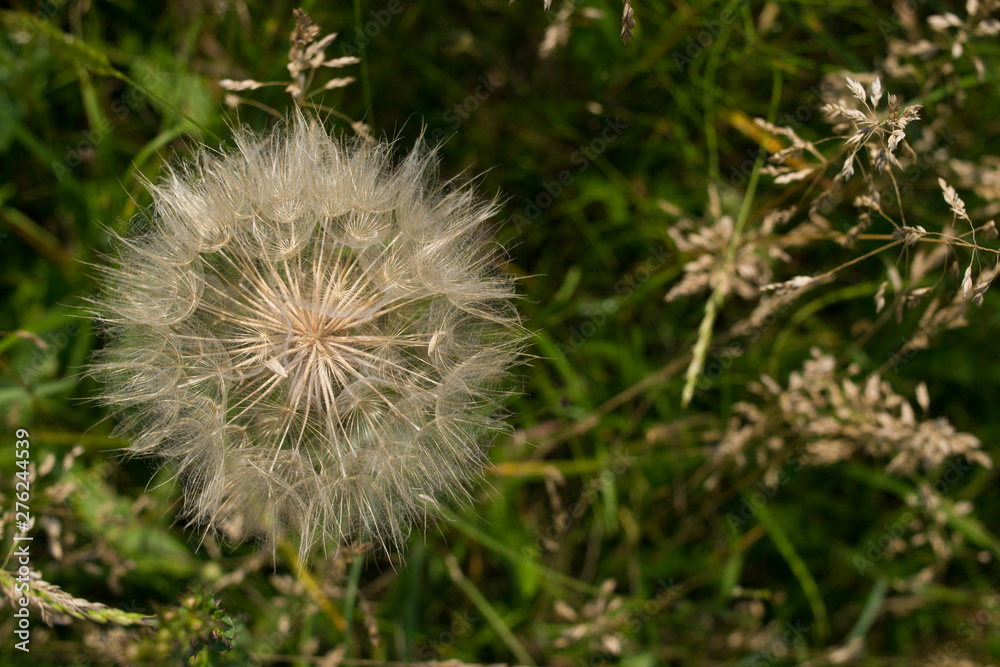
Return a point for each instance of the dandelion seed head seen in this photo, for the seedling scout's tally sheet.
(314, 338)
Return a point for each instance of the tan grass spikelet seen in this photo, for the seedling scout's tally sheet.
(314, 338)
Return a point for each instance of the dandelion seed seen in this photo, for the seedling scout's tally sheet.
(428, 499)
(314, 340)
(432, 344)
(275, 366)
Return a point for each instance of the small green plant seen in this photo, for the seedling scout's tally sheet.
(194, 632)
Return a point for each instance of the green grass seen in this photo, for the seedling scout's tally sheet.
(97, 97)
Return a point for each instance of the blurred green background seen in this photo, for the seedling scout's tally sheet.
(596, 540)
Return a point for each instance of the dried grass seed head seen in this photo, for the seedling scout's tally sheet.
(827, 416)
(316, 339)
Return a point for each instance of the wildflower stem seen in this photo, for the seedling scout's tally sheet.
(127, 79)
(35, 235)
(799, 569)
(487, 610)
(701, 346)
(859, 258)
(711, 137)
(350, 598)
(515, 557)
(366, 87)
(312, 588)
(718, 293)
(869, 614)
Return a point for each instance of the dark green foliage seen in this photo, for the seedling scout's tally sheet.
(600, 149)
